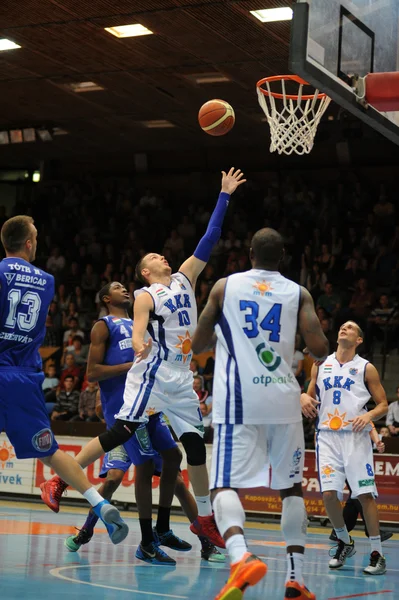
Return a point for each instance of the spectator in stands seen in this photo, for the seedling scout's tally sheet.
(384, 432)
(72, 332)
(78, 351)
(66, 406)
(186, 229)
(361, 302)
(384, 266)
(369, 243)
(316, 281)
(51, 337)
(70, 313)
(382, 324)
(331, 337)
(392, 418)
(326, 260)
(71, 370)
(107, 276)
(202, 295)
(175, 245)
(56, 262)
(81, 300)
(49, 387)
(89, 280)
(72, 277)
(56, 316)
(306, 265)
(194, 367)
(330, 301)
(87, 404)
(383, 210)
(62, 298)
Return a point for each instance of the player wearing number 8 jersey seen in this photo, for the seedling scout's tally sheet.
(25, 296)
(256, 404)
(340, 388)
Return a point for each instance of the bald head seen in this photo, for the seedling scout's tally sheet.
(267, 249)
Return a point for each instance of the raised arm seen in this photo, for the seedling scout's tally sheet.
(208, 318)
(194, 265)
(96, 370)
(310, 328)
(378, 394)
(143, 305)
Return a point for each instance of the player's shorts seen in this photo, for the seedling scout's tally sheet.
(23, 414)
(345, 455)
(158, 386)
(243, 454)
(149, 440)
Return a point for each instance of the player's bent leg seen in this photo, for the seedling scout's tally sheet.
(346, 546)
(377, 564)
(246, 568)
(72, 474)
(107, 489)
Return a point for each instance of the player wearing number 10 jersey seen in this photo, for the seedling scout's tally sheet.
(25, 296)
(256, 404)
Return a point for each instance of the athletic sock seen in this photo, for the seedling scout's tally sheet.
(91, 521)
(294, 567)
(92, 496)
(204, 505)
(147, 535)
(236, 547)
(342, 534)
(375, 542)
(163, 520)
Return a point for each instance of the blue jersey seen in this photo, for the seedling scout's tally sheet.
(119, 351)
(25, 296)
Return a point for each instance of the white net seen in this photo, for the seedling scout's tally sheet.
(293, 123)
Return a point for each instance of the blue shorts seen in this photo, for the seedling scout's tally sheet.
(23, 413)
(149, 440)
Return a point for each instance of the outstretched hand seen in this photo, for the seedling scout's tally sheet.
(231, 180)
(144, 352)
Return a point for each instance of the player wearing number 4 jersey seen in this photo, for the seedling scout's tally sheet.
(341, 387)
(25, 296)
(256, 405)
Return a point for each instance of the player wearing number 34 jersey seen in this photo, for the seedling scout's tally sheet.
(256, 405)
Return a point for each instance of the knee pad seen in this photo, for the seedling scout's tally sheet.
(294, 521)
(228, 511)
(194, 446)
(120, 433)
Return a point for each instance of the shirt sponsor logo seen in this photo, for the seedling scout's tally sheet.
(269, 380)
(336, 420)
(262, 288)
(184, 346)
(43, 440)
(125, 344)
(366, 482)
(9, 277)
(268, 357)
(327, 472)
(296, 461)
(353, 371)
(32, 279)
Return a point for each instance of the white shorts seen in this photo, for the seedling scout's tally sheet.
(243, 454)
(155, 386)
(345, 455)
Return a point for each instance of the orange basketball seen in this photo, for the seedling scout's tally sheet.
(216, 117)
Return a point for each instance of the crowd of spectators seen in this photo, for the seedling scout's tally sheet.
(341, 243)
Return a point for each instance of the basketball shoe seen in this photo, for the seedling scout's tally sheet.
(170, 540)
(248, 571)
(74, 542)
(295, 590)
(109, 515)
(52, 491)
(206, 527)
(154, 554)
(342, 552)
(209, 551)
(377, 564)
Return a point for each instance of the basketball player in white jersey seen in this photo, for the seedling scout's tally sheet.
(256, 405)
(165, 317)
(341, 388)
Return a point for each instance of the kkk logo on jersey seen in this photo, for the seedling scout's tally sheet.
(268, 357)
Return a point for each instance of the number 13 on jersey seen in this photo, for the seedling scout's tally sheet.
(270, 322)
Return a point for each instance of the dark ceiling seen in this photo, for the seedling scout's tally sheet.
(145, 78)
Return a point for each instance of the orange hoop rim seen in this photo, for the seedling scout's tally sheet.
(289, 96)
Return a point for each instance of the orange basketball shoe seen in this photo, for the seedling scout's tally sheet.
(295, 590)
(248, 571)
(52, 491)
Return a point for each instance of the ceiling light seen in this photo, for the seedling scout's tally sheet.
(273, 14)
(124, 31)
(158, 124)
(36, 176)
(208, 77)
(44, 135)
(84, 86)
(8, 45)
(29, 134)
(59, 131)
(16, 136)
(4, 139)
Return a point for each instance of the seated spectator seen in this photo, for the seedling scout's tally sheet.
(66, 406)
(70, 313)
(330, 301)
(78, 351)
(392, 418)
(382, 324)
(326, 260)
(384, 266)
(72, 276)
(56, 262)
(316, 281)
(62, 298)
(107, 276)
(175, 245)
(369, 243)
(89, 279)
(56, 317)
(72, 332)
(49, 387)
(194, 367)
(51, 337)
(202, 295)
(362, 300)
(330, 335)
(87, 404)
(82, 301)
(71, 370)
(208, 372)
(384, 432)
(186, 229)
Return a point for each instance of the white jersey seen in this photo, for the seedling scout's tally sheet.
(342, 392)
(254, 382)
(173, 320)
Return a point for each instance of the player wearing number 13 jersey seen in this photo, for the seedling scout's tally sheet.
(342, 386)
(256, 404)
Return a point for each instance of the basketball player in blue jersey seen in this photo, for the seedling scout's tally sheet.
(256, 405)
(165, 316)
(341, 387)
(25, 296)
(110, 358)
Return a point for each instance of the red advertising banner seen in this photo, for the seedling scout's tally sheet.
(386, 467)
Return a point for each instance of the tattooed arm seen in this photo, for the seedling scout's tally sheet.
(310, 328)
(203, 335)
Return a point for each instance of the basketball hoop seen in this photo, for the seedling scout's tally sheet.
(293, 118)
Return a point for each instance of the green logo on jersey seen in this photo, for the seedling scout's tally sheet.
(365, 482)
(268, 357)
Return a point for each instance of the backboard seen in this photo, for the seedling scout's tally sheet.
(332, 40)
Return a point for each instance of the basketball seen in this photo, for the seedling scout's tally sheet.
(216, 117)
